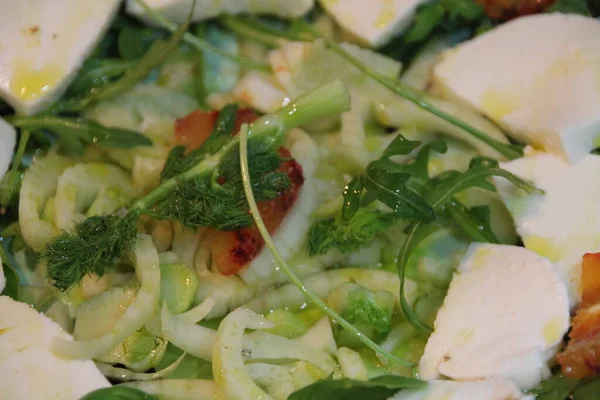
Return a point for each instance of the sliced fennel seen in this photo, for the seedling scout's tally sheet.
(123, 374)
(283, 265)
(276, 380)
(141, 309)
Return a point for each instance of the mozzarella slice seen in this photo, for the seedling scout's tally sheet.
(537, 76)
(28, 369)
(563, 223)
(43, 44)
(8, 139)
(488, 389)
(504, 316)
(178, 10)
(372, 22)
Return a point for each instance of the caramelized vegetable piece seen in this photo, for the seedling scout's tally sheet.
(232, 250)
(590, 279)
(507, 9)
(581, 358)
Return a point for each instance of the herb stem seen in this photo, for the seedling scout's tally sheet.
(287, 270)
(199, 43)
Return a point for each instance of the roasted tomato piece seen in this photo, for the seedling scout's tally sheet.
(590, 279)
(581, 358)
(232, 251)
(507, 9)
(193, 129)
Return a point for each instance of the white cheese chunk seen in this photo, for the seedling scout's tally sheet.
(487, 389)
(43, 44)
(537, 76)
(563, 223)
(28, 369)
(8, 138)
(372, 22)
(505, 315)
(178, 10)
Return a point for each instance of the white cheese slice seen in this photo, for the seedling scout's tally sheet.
(8, 138)
(178, 10)
(28, 369)
(488, 389)
(505, 315)
(372, 22)
(43, 44)
(537, 76)
(563, 223)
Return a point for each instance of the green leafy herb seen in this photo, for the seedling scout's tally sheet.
(559, 387)
(75, 132)
(475, 222)
(380, 388)
(348, 235)
(195, 195)
(396, 185)
(443, 15)
(156, 54)
(95, 74)
(11, 288)
(571, 7)
(118, 393)
(11, 181)
(135, 40)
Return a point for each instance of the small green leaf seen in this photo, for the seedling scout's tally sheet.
(475, 222)
(74, 132)
(380, 388)
(95, 74)
(571, 7)
(559, 387)
(135, 40)
(118, 393)
(425, 22)
(11, 289)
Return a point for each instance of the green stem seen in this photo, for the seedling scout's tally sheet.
(244, 30)
(460, 214)
(416, 97)
(199, 43)
(287, 270)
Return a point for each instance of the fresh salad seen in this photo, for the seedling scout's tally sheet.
(269, 199)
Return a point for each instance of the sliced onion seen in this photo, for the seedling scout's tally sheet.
(123, 374)
(135, 316)
(229, 369)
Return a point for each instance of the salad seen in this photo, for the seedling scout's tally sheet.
(340, 199)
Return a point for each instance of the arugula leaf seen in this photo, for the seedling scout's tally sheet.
(11, 289)
(97, 73)
(75, 132)
(135, 40)
(348, 235)
(118, 393)
(560, 387)
(475, 222)
(380, 388)
(398, 186)
(571, 7)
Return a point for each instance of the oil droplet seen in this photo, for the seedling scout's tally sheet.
(29, 84)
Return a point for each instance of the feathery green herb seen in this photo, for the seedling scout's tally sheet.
(193, 194)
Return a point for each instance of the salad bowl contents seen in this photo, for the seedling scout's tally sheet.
(340, 199)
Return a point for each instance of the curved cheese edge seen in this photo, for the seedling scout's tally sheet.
(43, 46)
(8, 140)
(537, 76)
(178, 10)
(28, 368)
(563, 223)
(505, 315)
(487, 389)
(372, 22)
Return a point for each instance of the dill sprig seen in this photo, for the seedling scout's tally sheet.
(201, 189)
